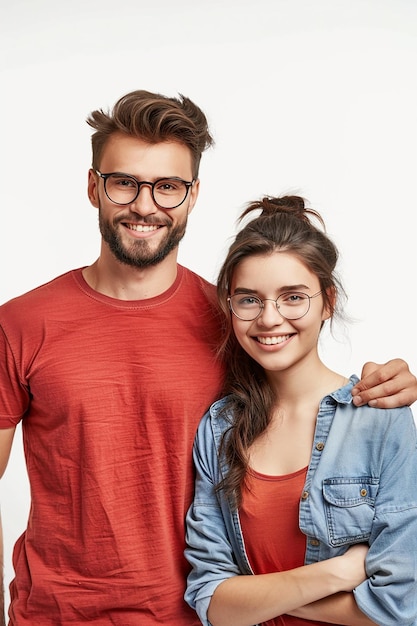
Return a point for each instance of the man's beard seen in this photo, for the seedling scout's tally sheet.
(139, 253)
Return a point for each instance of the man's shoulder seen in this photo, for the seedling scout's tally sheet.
(43, 294)
(202, 282)
(195, 287)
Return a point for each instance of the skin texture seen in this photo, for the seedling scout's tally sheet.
(148, 266)
(6, 440)
(386, 386)
(246, 600)
(298, 338)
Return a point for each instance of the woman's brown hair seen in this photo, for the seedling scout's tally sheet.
(284, 224)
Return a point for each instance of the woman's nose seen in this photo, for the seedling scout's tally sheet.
(270, 315)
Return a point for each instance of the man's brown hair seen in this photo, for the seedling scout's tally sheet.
(153, 118)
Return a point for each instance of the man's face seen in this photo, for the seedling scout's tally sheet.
(141, 234)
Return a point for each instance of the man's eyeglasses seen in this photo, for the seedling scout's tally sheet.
(291, 306)
(123, 189)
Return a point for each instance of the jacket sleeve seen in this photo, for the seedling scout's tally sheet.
(389, 595)
(209, 549)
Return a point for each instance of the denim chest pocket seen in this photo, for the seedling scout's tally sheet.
(350, 506)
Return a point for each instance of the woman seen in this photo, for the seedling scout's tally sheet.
(289, 471)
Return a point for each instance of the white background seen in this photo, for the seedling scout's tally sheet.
(312, 97)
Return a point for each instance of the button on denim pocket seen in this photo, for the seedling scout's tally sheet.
(350, 507)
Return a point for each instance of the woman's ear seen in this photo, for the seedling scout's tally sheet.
(329, 304)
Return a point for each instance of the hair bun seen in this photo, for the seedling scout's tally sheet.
(294, 206)
(286, 204)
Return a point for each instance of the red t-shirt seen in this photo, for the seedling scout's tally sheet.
(110, 394)
(269, 520)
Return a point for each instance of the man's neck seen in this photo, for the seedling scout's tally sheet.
(124, 282)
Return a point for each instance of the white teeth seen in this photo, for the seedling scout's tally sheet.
(270, 341)
(142, 229)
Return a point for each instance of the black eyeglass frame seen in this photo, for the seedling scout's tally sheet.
(262, 305)
(145, 182)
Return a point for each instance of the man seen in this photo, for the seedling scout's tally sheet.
(110, 369)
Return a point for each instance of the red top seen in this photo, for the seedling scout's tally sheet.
(269, 520)
(110, 393)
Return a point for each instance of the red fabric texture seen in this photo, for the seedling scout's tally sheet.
(110, 393)
(269, 520)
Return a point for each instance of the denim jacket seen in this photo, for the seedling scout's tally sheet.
(361, 487)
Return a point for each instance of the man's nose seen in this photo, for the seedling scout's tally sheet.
(144, 203)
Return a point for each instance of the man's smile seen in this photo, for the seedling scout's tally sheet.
(143, 228)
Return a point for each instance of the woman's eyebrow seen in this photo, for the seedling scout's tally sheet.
(282, 289)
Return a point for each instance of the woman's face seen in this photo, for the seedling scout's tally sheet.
(275, 342)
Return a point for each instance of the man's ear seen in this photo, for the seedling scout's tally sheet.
(194, 190)
(92, 188)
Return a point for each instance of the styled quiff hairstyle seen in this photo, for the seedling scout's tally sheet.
(284, 225)
(153, 118)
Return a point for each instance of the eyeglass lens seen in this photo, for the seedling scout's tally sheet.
(292, 306)
(167, 192)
